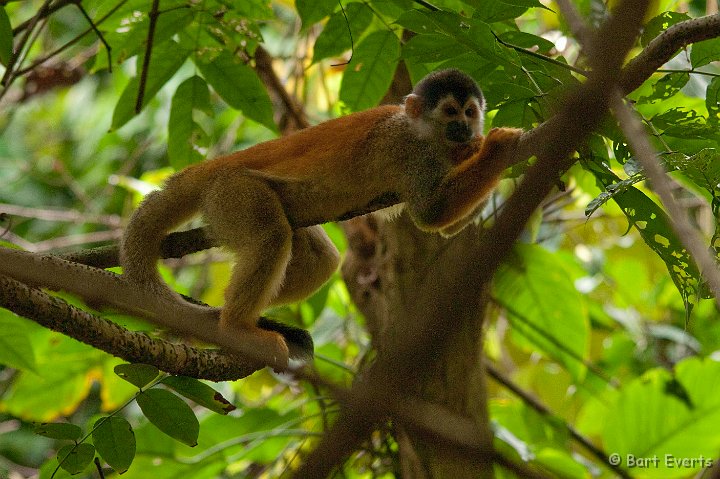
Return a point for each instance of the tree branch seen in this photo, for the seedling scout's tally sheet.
(665, 46)
(136, 347)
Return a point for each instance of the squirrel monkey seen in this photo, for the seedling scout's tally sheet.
(265, 203)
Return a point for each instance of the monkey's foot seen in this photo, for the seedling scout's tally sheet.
(266, 347)
(299, 341)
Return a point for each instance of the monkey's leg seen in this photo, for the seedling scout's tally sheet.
(245, 215)
(314, 259)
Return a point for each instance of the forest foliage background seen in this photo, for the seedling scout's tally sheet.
(600, 332)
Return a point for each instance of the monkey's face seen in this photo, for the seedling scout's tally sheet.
(461, 121)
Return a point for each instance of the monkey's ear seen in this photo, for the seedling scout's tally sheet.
(413, 106)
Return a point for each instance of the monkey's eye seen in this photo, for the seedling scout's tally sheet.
(470, 112)
(450, 110)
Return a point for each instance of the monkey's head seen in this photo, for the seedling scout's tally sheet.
(446, 105)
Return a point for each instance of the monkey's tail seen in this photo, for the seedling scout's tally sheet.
(160, 212)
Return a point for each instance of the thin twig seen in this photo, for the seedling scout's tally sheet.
(98, 33)
(70, 43)
(68, 216)
(148, 51)
(17, 51)
(535, 404)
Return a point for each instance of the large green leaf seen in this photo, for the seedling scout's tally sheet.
(67, 369)
(137, 374)
(16, 350)
(114, 440)
(671, 418)
(312, 11)
(128, 35)
(74, 458)
(474, 34)
(497, 10)
(59, 430)
(705, 52)
(537, 289)
(712, 101)
(165, 60)
(185, 136)
(657, 25)
(239, 86)
(666, 87)
(370, 73)
(200, 392)
(170, 414)
(702, 168)
(432, 48)
(335, 37)
(684, 123)
(652, 223)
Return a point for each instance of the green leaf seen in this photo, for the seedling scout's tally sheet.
(650, 419)
(610, 192)
(16, 350)
(59, 430)
(369, 75)
(666, 87)
(131, 39)
(527, 40)
(115, 442)
(497, 10)
(536, 288)
(312, 11)
(335, 37)
(712, 101)
(6, 37)
(64, 384)
(165, 60)
(185, 136)
(659, 24)
(473, 34)
(705, 52)
(702, 168)
(684, 123)
(432, 48)
(200, 393)
(240, 87)
(74, 458)
(654, 227)
(170, 414)
(139, 375)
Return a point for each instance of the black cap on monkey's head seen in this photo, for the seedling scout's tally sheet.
(437, 85)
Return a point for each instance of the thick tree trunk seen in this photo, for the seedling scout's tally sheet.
(392, 270)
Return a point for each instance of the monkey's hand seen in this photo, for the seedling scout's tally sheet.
(467, 185)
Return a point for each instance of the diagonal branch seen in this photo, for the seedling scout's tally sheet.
(665, 46)
(137, 347)
(640, 144)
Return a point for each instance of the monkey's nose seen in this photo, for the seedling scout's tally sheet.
(458, 131)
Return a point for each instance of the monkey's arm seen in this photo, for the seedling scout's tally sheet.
(467, 185)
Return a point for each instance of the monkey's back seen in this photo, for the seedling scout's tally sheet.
(312, 151)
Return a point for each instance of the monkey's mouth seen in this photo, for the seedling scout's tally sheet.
(458, 132)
